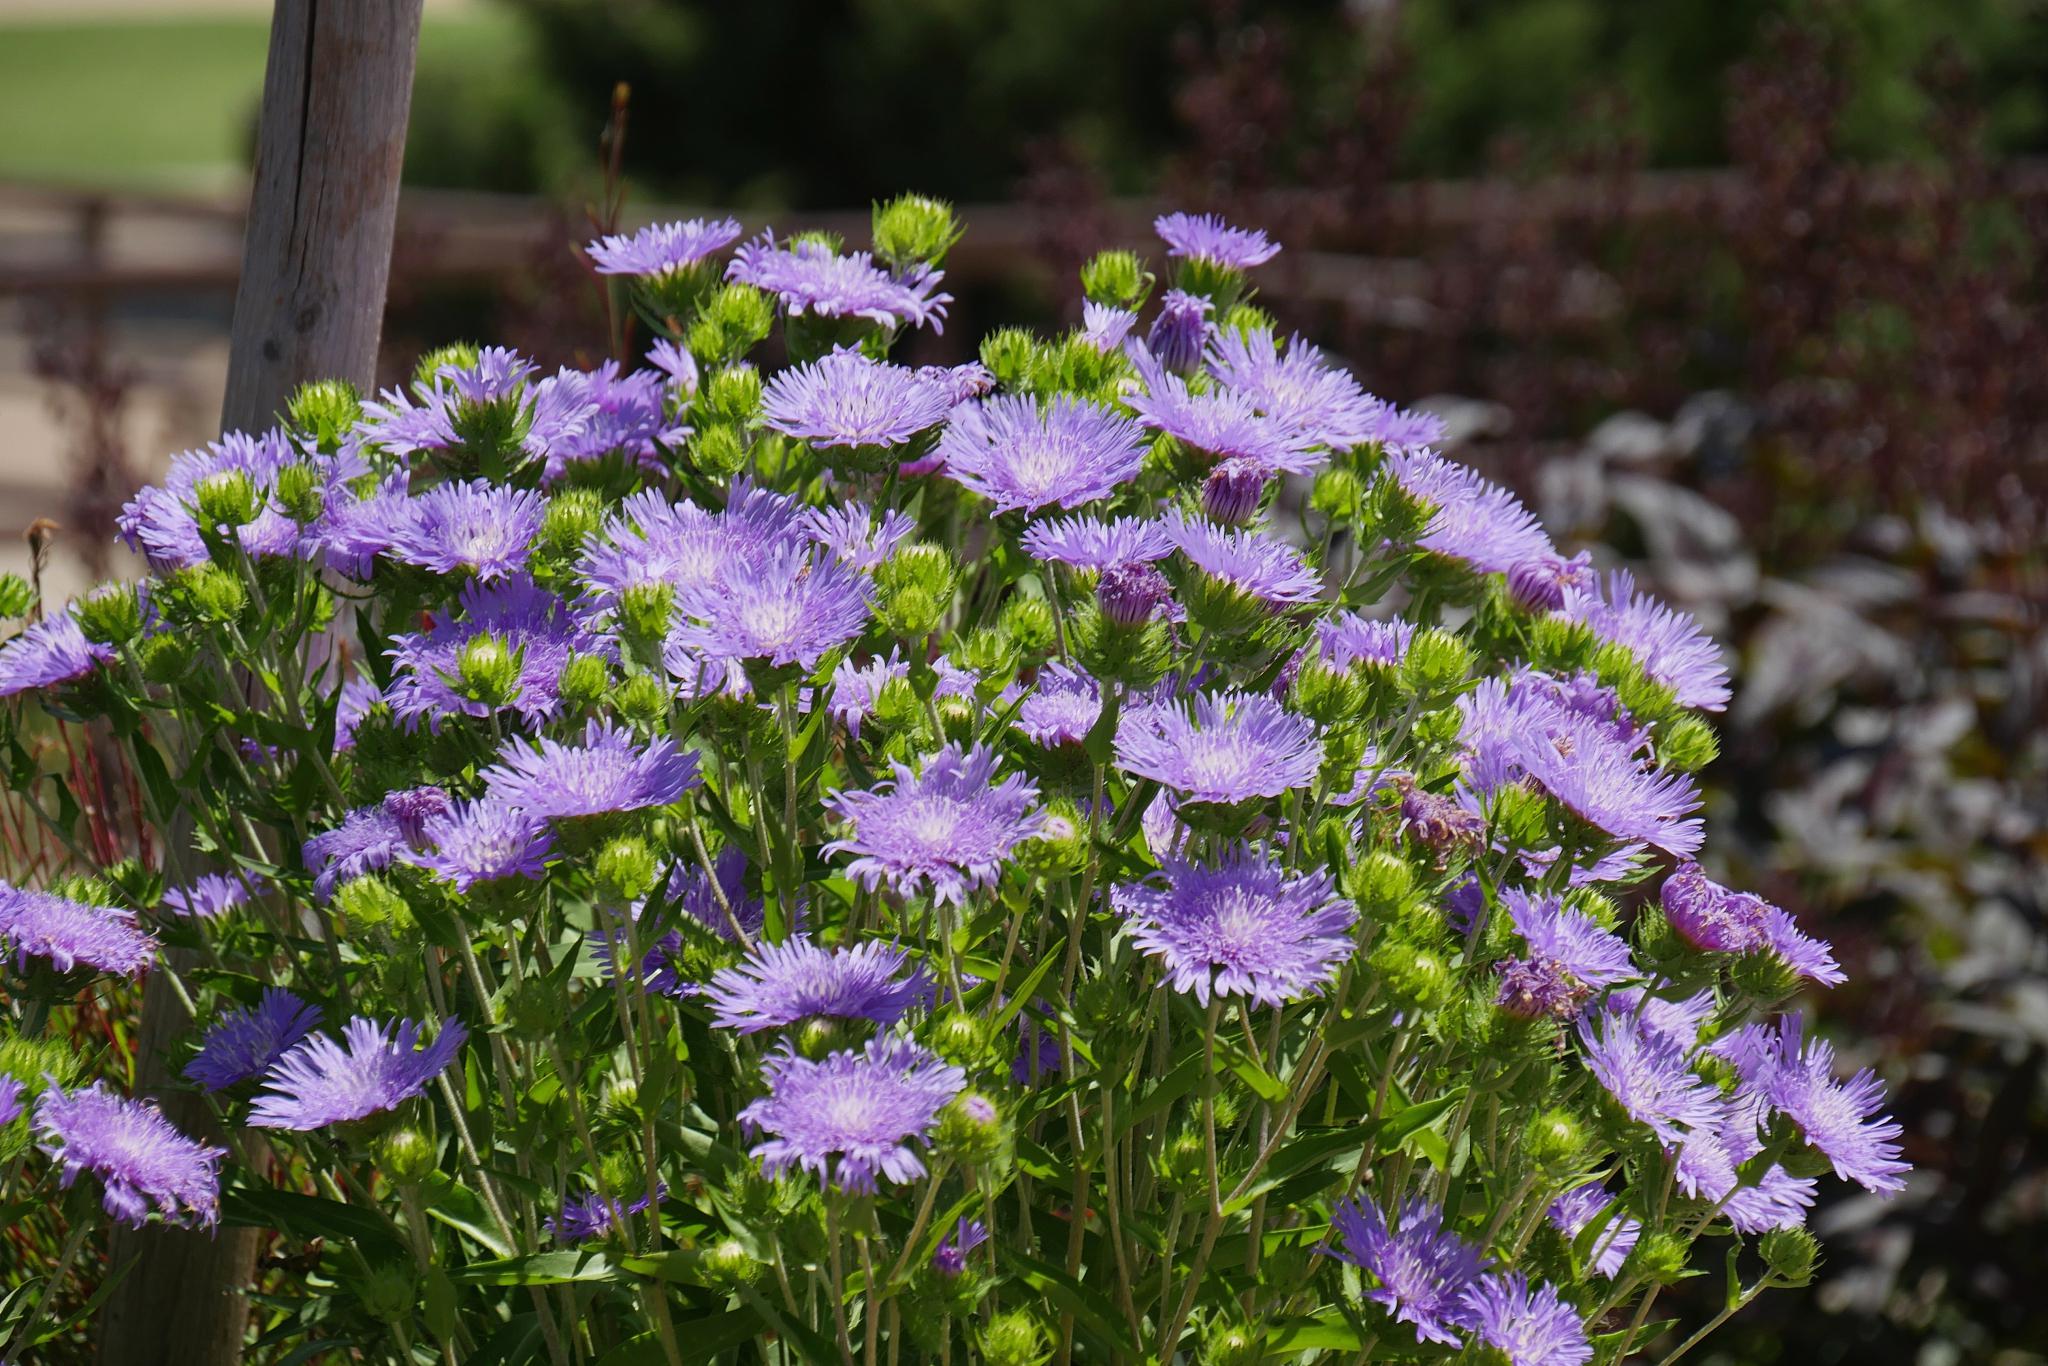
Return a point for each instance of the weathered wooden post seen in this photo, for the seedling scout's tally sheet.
(315, 262)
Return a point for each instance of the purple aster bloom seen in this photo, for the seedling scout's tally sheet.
(1084, 543)
(488, 840)
(1529, 1328)
(1474, 521)
(1570, 1214)
(532, 623)
(850, 532)
(1221, 423)
(51, 651)
(1298, 389)
(162, 521)
(353, 530)
(244, 1044)
(1226, 747)
(498, 373)
(72, 934)
(11, 1091)
(375, 1067)
(139, 1156)
(1062, 707)
(207, 897)
(944, 828)
(1421, 1267)
(1247, 559)
(846, 399)
(1668, 643)
(586, 1218)
(1807, 956)
(624, 414)
(1540, 584)
(865, 1108)
(1133, 594)
(368, 838)
(662, 248)
(782, 984)
(1104, 326)
(791, 610)
(677, 363)
(1346, 639)
(1571, 939)
(1017, 454)
(1406, 430)
(1233, 491)
(1609, 786)
(856, 691)
(809, 277)
(651, 540)
(358, 695)
(949, 1259)
(1709, 916)
(1262, 933)
(1205, 237)
(610, 771)
(1181, 331)
(1707, 1167)
(1842, 1120)
(693, 892)
(1644, 1070)
(1677, 1021)
(397, 423)
(961, 382)
(478, 527)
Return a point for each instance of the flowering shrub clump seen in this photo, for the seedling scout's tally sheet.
(1115, 852)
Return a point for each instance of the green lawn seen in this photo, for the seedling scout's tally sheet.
(165, 103)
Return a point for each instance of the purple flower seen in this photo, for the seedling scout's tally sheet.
(1246, 559)
(1573, 1211)
(11, 1091)
(51, 651)
(1644, 1070)
(1104, 327)
(1181, 331)
(367, 839)
(1422, 1269)
(864, 1108)
(162, 521)
(609, 772)
(961, 382)
(1606, 783)
(487, 401)
(849, 531)
(1226, 747)
(624, 414)
(139, 1157)
(486, 841)
(857, 691)
(375, 1067)
(244, 1044)
(72, 934)
(949, 1259)
(662, 248)
(1707, 1167)
(1221, 423)
(1540, 584)
(1346, 639)
(846, 399)
(1567, 947)
(782, 984)
(1087, 544)
(651, 540)
(1298, 389)
(809, 277)
(1264, 934)
(1062, 707)
(1529, 1328)
(1709, 916)
(1811, 958)
(586, 1218)
(1205, 237)
(793, 609)
(1133, 594)
(354, 529)
(1842, 1120)
(532, 624)
(1019, 455)
(358, 695)
(1474, 521)
(1669, 644)
(478, 527)
(944, 828)
(677, 363)
(1233, 491)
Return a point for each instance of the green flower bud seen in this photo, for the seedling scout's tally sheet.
(1792, 1254)
(1116, 278)
(1764, 978)
(454, 356)
(643, 700)
(488, 670)
(111, 615)
(619, 1100)
(1010, 353)
(1182, 1164)
(1028, 621)
(206, 593)
(1391, 513)
(1380, 884)
(16, 596)
(732, 321)
(989, 653)
(370, 906)
(1521, 817)
(645, 610)
(1645, 698)
(300, 492)
(720, 450)
(823, 1035)
(972, 1131)
(1554, 1140)
(227, 498)
(1339, 495)
(1687, 745)
(584, 680)
(898, 706)
(326, 410)
(1439, 726)
(959, 718)
(911, 612)
(1659, 1258)
(165, 657)
(1560, 645)
(572, 515)
(388, 1293)
(733, 395)
(1437, 662)
(920, 565)
(1013, 1338)
(1325, 695)
(1415, 977)
(626, 869)
(914, 229)
(1061, 847)
(404, 1155)
(960, 1037)
(728, 1265)
(1245, 319)
(620, 1176)
(1231, 1343)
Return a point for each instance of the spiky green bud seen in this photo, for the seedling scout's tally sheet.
(914, 229)
(1687, 744)
(326, 410)
(404, 1155)
(1792, 1254)
(626, 869)
(1116, 278)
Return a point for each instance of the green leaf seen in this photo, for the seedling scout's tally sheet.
(542, 1268)
(1022, 996)
(1091, 1308)
(1399, 1127)
(438, 1304)
(310, 1216)
(1164, 1092)
(1326, 1333)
